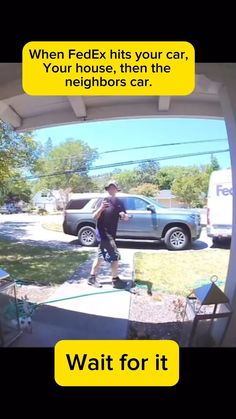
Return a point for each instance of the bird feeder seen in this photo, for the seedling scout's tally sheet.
(209, 312)
(9, 315)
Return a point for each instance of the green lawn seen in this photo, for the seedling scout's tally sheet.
(180, 272)
(40, 264)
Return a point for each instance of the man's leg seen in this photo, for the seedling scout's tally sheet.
(96, 264)
(114, 269)
(113, 258)
(116, 281)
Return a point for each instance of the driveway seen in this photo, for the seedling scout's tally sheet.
(28, 229)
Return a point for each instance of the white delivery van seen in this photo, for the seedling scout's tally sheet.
(220, 205)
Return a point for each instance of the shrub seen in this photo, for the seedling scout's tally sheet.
(42, 211)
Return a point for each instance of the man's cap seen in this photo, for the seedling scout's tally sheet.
(114, 183)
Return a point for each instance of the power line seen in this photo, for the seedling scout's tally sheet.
(128, 149)
(126, 163)
(161, 145)
(138, 148)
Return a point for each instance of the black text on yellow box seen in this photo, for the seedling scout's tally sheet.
(117, 363)
(109, 68)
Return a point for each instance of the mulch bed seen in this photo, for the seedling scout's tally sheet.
(156, 316)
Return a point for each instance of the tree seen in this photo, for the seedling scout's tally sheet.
(126, 180)
(64, 195)
(48, 147)
(207, 170)
(214, 165)
(18, 156)
(17, 189)
(146, 172)
(17, 151)
(67, 166)
(166, 176)
(188, 187)
(146, 189)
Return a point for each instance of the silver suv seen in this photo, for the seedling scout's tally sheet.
(148, 220)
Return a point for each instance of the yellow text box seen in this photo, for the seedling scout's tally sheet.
(116, 363)
(108, 68)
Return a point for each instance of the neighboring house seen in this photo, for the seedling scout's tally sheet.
(49, 200)
(166, 198)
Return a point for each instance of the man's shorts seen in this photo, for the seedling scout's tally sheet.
(107, 249)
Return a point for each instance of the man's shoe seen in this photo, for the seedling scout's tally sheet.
(118, 283)
(92, 281)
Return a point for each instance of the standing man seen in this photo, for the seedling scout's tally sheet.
(108, 213)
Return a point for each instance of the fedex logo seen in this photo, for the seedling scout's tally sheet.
(221, 190)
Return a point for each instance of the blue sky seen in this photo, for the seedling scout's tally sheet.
(117, 134)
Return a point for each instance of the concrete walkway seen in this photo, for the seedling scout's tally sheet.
(80, 311)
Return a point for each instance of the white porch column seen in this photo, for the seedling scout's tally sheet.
(228, 103)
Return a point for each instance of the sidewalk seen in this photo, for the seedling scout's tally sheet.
(80, 311)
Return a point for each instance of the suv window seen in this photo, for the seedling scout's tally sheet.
(134, 203)
(140, 204)
(96, 203)
(77, 203)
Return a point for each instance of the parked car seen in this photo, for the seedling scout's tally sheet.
(148, 220)
(11, 209)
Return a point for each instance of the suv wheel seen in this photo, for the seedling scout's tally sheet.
(176, 238)
(87, 236)
(216, 241)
